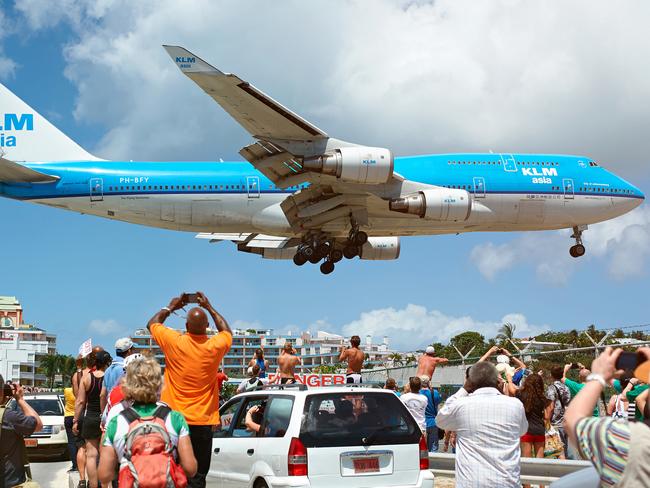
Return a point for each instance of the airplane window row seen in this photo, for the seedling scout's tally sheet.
(193, 187)
(519, 163)
(606, 190)
(473, 162)
(178, 187)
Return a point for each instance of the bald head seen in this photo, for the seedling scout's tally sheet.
(197, 321)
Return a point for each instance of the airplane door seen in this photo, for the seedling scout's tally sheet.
(479, 187)
(96, 190)
(568, 188)
(253, 186)
(509, 163)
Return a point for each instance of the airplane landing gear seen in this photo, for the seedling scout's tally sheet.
(327, 267)
(579, 249)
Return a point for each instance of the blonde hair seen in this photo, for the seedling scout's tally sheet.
(143, 381)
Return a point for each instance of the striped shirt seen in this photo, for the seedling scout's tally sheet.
(606, 443)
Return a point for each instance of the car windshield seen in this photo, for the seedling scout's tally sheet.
(353, 419)
(46, 406)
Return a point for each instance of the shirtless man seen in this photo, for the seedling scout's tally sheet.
(354, 356)
(287, 363)
(428, 362)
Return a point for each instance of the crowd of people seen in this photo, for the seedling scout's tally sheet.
(504, 411)
(122, 415)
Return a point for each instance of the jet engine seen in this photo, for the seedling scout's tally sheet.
(444, 204)
(359, 164)
(380, 248)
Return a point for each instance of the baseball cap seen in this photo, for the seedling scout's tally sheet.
(123, 344)
(430, 350)
(132, 358)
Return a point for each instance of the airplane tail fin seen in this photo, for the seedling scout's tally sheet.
(25, 135)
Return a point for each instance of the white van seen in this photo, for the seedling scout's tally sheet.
(319, 437)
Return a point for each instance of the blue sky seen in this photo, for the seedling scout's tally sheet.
(99, 74)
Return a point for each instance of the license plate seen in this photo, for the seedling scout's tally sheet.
(31, 442)
(366, 465)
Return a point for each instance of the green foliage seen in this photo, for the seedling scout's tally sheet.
(55, 364)
(506, 331)
(466, 340)
(228, 391)
(328, 368)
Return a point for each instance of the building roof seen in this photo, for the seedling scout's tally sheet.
(9, 303)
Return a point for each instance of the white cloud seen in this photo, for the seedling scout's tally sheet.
(414, 76)
(622, 243)
(415, 326)
(7, 65)
(108, 327)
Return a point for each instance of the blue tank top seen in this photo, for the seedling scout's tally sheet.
(262, 364)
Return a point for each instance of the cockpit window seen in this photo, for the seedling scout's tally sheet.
(593, 163)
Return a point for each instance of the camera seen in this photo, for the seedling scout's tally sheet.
(8, 389)
(191, 297)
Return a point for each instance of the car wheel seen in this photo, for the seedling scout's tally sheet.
(260, 484)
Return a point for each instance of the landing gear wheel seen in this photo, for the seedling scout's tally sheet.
(360, 238)
(577, 251)
(315, 258)
(299, 259)
(323, 249)
(336, 255)
(327, 267)
(308, 251)
(350, 252)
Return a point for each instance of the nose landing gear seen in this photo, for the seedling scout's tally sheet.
(579, 249)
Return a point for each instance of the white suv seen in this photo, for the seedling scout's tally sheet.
(51, 440)
(319, 437)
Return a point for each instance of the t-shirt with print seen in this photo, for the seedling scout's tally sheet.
(117, 426)
(417, 404)
(560, 395)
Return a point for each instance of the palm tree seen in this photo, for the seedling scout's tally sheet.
(50, 366)
(395, 358)
(506, 331)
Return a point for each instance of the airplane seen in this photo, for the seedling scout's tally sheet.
(304, 195)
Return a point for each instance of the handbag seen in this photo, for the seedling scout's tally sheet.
(553, 445)
(29, 482)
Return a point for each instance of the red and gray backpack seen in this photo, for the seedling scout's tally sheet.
(150, 453)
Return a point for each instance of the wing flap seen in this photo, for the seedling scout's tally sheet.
(11, 172)
(255, 111)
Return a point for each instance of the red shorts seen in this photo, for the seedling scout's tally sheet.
(533, 438)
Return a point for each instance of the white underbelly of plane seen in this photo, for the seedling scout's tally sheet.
(223, 213)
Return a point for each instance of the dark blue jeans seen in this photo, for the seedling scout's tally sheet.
(72, 446)
(432, 439)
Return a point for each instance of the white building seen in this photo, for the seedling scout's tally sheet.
(21, 345)
(322, 348)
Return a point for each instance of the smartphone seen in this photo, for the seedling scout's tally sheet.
(8, 390)
(628, 361)
(191, 298)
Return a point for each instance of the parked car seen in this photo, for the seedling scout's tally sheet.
(319, 437)
(51, 441)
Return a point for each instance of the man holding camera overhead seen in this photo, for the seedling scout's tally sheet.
(192, 360)
(15, 425)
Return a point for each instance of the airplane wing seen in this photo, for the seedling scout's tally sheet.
(11, 172)
(347, 182)
(255, 111)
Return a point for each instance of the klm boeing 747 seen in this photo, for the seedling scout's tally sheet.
(304, 195)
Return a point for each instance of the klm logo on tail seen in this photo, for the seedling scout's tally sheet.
(14, 123)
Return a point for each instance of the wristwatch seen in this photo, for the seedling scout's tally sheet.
(597, 377)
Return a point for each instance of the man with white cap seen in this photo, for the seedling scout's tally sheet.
(123, 348)
(428, 362)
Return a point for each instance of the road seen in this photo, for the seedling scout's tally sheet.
(55, 475)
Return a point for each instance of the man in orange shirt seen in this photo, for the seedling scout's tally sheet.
(192, 360)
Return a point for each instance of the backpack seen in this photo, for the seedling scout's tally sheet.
(149, 453)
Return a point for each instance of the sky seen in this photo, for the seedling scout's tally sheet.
(417, 77)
